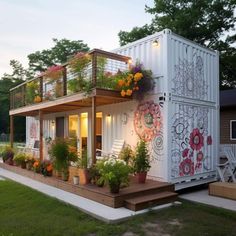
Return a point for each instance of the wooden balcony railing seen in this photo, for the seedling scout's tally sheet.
(99, 70)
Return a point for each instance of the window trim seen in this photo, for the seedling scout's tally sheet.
(230, 130)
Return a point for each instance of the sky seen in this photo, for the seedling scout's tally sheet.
(29, 25)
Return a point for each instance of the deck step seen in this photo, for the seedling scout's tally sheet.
(150, 200)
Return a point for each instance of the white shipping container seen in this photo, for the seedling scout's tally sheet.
(179, 119)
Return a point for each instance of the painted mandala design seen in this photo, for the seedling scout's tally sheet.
(148, 120)
(189, 78)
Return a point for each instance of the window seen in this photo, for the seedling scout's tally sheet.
(233, 129)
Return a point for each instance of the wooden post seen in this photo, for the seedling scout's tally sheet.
(40, 135)
(11, 130)
(93, 129)
(64, 81)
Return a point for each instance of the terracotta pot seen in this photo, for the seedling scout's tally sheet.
(141, 177)
(83, 176)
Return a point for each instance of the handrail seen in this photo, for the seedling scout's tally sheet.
(99, 52)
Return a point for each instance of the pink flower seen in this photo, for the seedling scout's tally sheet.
(209, 140)
(196, 139)
(54, 69)
(200, 156)
(186, 167)
(185, 152)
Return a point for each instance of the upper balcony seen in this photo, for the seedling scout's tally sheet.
(72, 85)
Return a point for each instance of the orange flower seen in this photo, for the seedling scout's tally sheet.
(129, 92)
(36, 164)
(49, 168)
(127, 83)
(138, 76)
(130, 77)
(137, 88)
(121, 82)
(122, 93)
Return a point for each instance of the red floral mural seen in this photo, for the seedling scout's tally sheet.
(196, 139)
(186, 167)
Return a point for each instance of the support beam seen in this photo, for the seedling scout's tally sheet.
(11, 130)
(40, 135)
(93, 130)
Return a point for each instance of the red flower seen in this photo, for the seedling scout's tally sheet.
(186, 167)
(185, 152)
(209, 140)
(196, 139)
(200, 156)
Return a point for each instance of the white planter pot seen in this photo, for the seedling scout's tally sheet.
(76, 180)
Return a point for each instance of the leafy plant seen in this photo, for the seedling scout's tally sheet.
(83, 160)
(127, 155)
(61, 155)
(8, 154)
(141, 160)
(114, 172)
(46, 168)
(32, 90)
(20, 158)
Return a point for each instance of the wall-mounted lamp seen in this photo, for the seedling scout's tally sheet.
(53, 124)
(108, 115)
(155, 43)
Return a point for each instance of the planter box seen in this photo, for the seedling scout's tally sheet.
(220, 189)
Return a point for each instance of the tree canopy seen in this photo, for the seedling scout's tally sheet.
(205, 22)
(38, 61)
(58, 54)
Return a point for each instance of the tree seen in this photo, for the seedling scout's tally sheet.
(204, 22)
(58, 54)
(8, 81)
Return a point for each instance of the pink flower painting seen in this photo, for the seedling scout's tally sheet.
(186, 167)
(196, 140)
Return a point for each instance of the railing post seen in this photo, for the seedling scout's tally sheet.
(64, 81)
(94, 69)
(41, 87)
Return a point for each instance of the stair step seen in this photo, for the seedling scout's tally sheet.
(142, 202)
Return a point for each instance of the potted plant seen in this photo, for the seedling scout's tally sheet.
(20, 159)
(95, 176)
(7, 155)
(46, 168)
(114, 172)
(83, 168)
(127, 155)
(36, 166)
(141, 161)
(61, 156)
(29, 161)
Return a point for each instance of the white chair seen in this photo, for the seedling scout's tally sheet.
(30, 148)
(117, 147)
(227, 169)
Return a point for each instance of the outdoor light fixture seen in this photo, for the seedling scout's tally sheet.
(108, 115)
(155, 43)
(124, 118)
(53, 124)
(130, 61)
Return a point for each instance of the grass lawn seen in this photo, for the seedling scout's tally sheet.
(24, 211)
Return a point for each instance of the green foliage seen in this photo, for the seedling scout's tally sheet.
(204, 22)
(141, 161)
(61, 155)
(83, 160)
(127, 155)
(7, 153)
(114, 171)
(58, 54)
(20, 158)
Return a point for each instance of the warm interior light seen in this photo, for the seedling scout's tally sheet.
(108, 115)
(130, 61)
(84, 125)
(155, 43)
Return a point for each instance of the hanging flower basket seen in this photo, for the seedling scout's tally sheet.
(136, 82)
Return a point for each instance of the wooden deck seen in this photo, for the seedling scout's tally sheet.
(135, 197)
